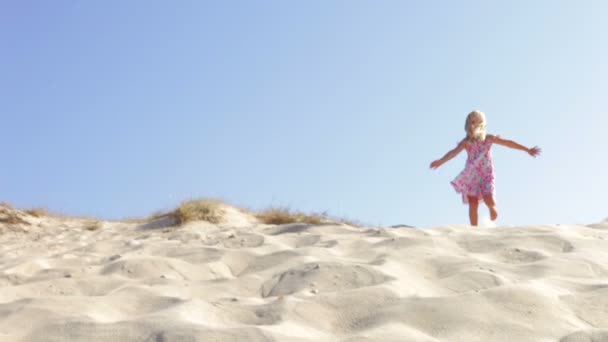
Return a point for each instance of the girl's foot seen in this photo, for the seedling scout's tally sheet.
(493, 213)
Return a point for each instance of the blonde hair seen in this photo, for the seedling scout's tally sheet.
(480, 135)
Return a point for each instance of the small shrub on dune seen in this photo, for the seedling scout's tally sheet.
(10, 215)
(199, 210)
(350, 222)
(93, 225)
(285, 216)
(38, 212)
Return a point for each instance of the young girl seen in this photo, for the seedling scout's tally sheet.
(476, 181)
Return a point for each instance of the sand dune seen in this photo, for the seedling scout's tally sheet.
(245, 281)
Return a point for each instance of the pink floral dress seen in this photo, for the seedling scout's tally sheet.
(477, 178)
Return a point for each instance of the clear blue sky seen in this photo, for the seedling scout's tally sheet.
(119, 108)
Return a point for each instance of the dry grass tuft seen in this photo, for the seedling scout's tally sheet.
(44, 212)
(350, 222)
(38, 212)
(157, 214)
(285, 215)
(209, 210)
(9, 215)
(93, 225)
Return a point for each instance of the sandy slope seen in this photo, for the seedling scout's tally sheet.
(242, 281)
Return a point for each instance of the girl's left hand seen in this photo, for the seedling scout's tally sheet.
(534, 151)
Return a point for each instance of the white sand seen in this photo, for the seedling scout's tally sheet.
(242, 281)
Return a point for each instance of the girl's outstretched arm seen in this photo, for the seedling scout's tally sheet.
(534, 151)
(451, 154)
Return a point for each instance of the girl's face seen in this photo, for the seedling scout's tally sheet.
(475, 122)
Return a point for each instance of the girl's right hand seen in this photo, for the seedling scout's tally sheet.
(435, 164)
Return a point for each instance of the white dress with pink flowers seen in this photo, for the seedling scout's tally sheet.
(477, 178)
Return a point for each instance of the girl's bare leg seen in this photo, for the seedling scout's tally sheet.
(473, 205)
(489, 200)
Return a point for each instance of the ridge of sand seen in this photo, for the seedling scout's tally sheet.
(244, 281)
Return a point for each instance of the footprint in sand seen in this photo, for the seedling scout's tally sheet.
(322, 277)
